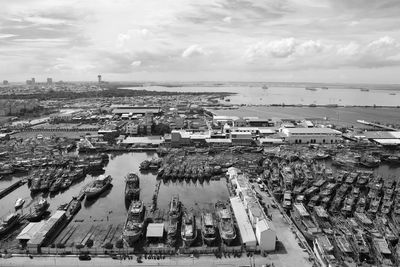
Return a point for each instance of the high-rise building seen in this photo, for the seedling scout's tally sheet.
(28, 82)
(99, 78)
(5, 82)
(49, 81)
(33, 81)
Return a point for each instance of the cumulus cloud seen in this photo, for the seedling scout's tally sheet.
(136, 63)
(281, 48)
(194, 50)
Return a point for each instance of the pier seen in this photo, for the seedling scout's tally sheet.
(377, 125)
(11, 188)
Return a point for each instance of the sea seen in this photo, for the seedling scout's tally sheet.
(295, 95)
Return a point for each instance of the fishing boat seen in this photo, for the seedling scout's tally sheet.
(56, 186)
(225, 226)
(172, 231)
(133, 227)
(188, 229)
(98, 186)
(369, 161)
(208, 231)
(132, 188)
(9, 222)
(324, 250)
(39, 209)
(304, 222)
(19, 203)
(175, 208)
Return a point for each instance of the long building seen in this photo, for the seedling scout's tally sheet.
(310, 135)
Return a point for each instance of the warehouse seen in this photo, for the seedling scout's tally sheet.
(245, 228)
(266, 236)
(310, 135)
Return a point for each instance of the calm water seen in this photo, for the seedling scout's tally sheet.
(111, 203)
(293, 95)
(344, 115)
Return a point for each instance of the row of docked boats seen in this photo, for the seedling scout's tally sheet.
(211, 225)
(184, 222)
(350, 217)
(150, 165)
(54, 180)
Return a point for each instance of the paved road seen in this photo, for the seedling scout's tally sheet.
(285, 231)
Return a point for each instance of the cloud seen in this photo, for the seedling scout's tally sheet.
(227, 20)
(194, 50)
(136, 63)
(5, 35)
(277, 48)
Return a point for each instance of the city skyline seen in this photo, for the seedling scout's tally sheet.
(229, 40)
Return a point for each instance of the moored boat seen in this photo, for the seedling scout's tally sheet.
(175, 208)
(98, 186)
(133, 227)
(9, 222)
(225, 225)
(19, 203)
(39, 209)
(208, 231)
(132, 187)
(304, 222)
(188, 229)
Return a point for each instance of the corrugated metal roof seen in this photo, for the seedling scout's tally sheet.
(245, 228)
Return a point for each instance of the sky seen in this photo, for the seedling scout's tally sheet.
(344, 41)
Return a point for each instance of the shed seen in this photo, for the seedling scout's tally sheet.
(30, 230)
(266, 236)
(155, 230)
(245, 228)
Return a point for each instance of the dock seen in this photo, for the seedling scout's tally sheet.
(377, 125)
(11, 188)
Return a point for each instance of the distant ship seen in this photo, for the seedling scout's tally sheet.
(188, 229)
(98, 186)
(9, 222)
(133, 227)
(364, 90)
(264, 87)
(311, 88)
(225, 225)
(39, 209)
(208, 231)
(132, 188)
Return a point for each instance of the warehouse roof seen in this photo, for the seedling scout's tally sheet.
(311, 130)
(155, 230)
(155, 140)
(135, 110)
(245, 228)
(30, 230)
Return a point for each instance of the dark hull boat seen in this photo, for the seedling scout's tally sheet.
(132, 187)
(98, 186)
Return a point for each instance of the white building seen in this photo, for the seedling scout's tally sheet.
(266, 236)
(245, 228)
(310, 135)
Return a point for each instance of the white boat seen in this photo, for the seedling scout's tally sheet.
(19, 203)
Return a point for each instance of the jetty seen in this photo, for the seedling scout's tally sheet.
(377, 125)
(11, 188)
